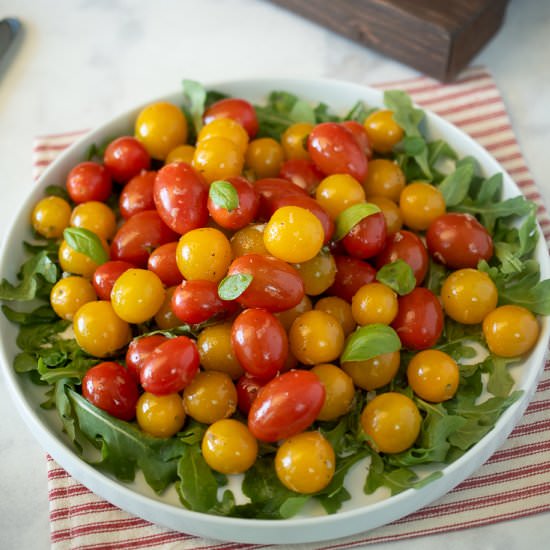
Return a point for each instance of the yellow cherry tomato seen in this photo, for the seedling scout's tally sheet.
(339, 391)
(318, 273)
(98, 330)
(228, 447)
(249, 240)
(165, 318)
(210, 396)
(264, 156)
(340, 309)
(510, 330)
(204, 253)
(468, 295)
(384, 179)
(225, 128)
(181, 153)
(69, 293)
(77, 263)
(216, 351)
(161, 127)
(217, 158)
(433, 375)
(51, 216)
(305, 463)
(95, 216)
(337, 192)
(384, 133)
(392, 422)
(374, 303)
(373, 373)
(391, 213)
(294, 234)
(293, 139)
(287, 317)
(137, 295)
(160, 415)
(316, 337)
(420, 204)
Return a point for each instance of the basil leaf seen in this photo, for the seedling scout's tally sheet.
(398, 275)
(86, 242)
(234, 285)
(351, 216)
(195, 94)
(223, 194)
(369, 341)
(302, 111)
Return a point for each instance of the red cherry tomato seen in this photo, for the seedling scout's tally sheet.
(139, 349)
(247, 390)
(407, 246)
(139, 235)
(249, 202)
(275, 285)
(272, 188)
(335, 150)
(170, 367)
(366, 238)
(162, 261)
(260, 343)
(237, 109)
(197, 301)
(351, 275)
(106, 274)
(181, 195)
(137, 195)
(360, 135)
(459, 241)
(89, 181)
(302, 172)
(286, 405)
(125, 157)
(112, 388)
(419, 319)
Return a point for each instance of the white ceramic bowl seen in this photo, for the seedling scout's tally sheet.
(359, 514)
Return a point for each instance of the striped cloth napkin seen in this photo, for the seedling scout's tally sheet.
(513, 483)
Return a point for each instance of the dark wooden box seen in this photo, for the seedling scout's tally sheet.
(437, 37)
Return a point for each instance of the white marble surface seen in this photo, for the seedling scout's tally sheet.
(79, 62)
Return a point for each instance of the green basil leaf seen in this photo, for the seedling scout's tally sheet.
(86, 242)
(351, 216)
(398, 275)
(234, 285)
(302, 111)
(195, 94)
(369, 341)
(223, 194)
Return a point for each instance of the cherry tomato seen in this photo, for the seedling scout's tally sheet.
(181, 153)
(180, 195)
(302, 172)
(340, 310)
(407, 246)
(373, 373)
(392, 422)
(458, 240)
(165, 318)
(138, 235)
(106, 274)
(139, 349)
(69, 293)
(468, 295)
(338, 192)
(293, 139)
(111, 388)
(391, 213)
(287, 316)
(318, 273)
(247, 389)
(351, 275)
(237, 109)
(374, 303)
(433, 375)
(197, 301)
(50, 216)
(339, 391)
(385, 179)
(125, 157)
(275, 285)
(260, 343)
(216, 351)
(305, 463)
(89, 181)
(137, 195)
(228, 447)
(420, 204)
(264, 157)
(160, 415)
(384, 133)
(270, 189)
(162, 262)
(419, 319)
(161, 127)
(510, 330)
(366, 238)
(75, 262)
(96, 217)
(360, 135)
(225, 128)
(249, 240)
(286, 405)
(334, 149)
(217, 158)
(170, 367)
(245, 213)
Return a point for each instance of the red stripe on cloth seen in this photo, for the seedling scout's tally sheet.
(451, 95)
(476, 119)
(457, 108)
(72, 133)
(52, 147)
(63, 492)
(80, 509)
(531, 448)
(98, 527)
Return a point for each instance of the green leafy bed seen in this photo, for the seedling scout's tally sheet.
(50, 357)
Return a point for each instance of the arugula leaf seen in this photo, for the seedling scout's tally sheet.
(437, 273)
(456, 185)
(41, 314)
(359, 112)
(500, 382)
(438, 150)
(398, 275)
(86, 242)
(351, 216)
(58, 191)
(369, 341)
